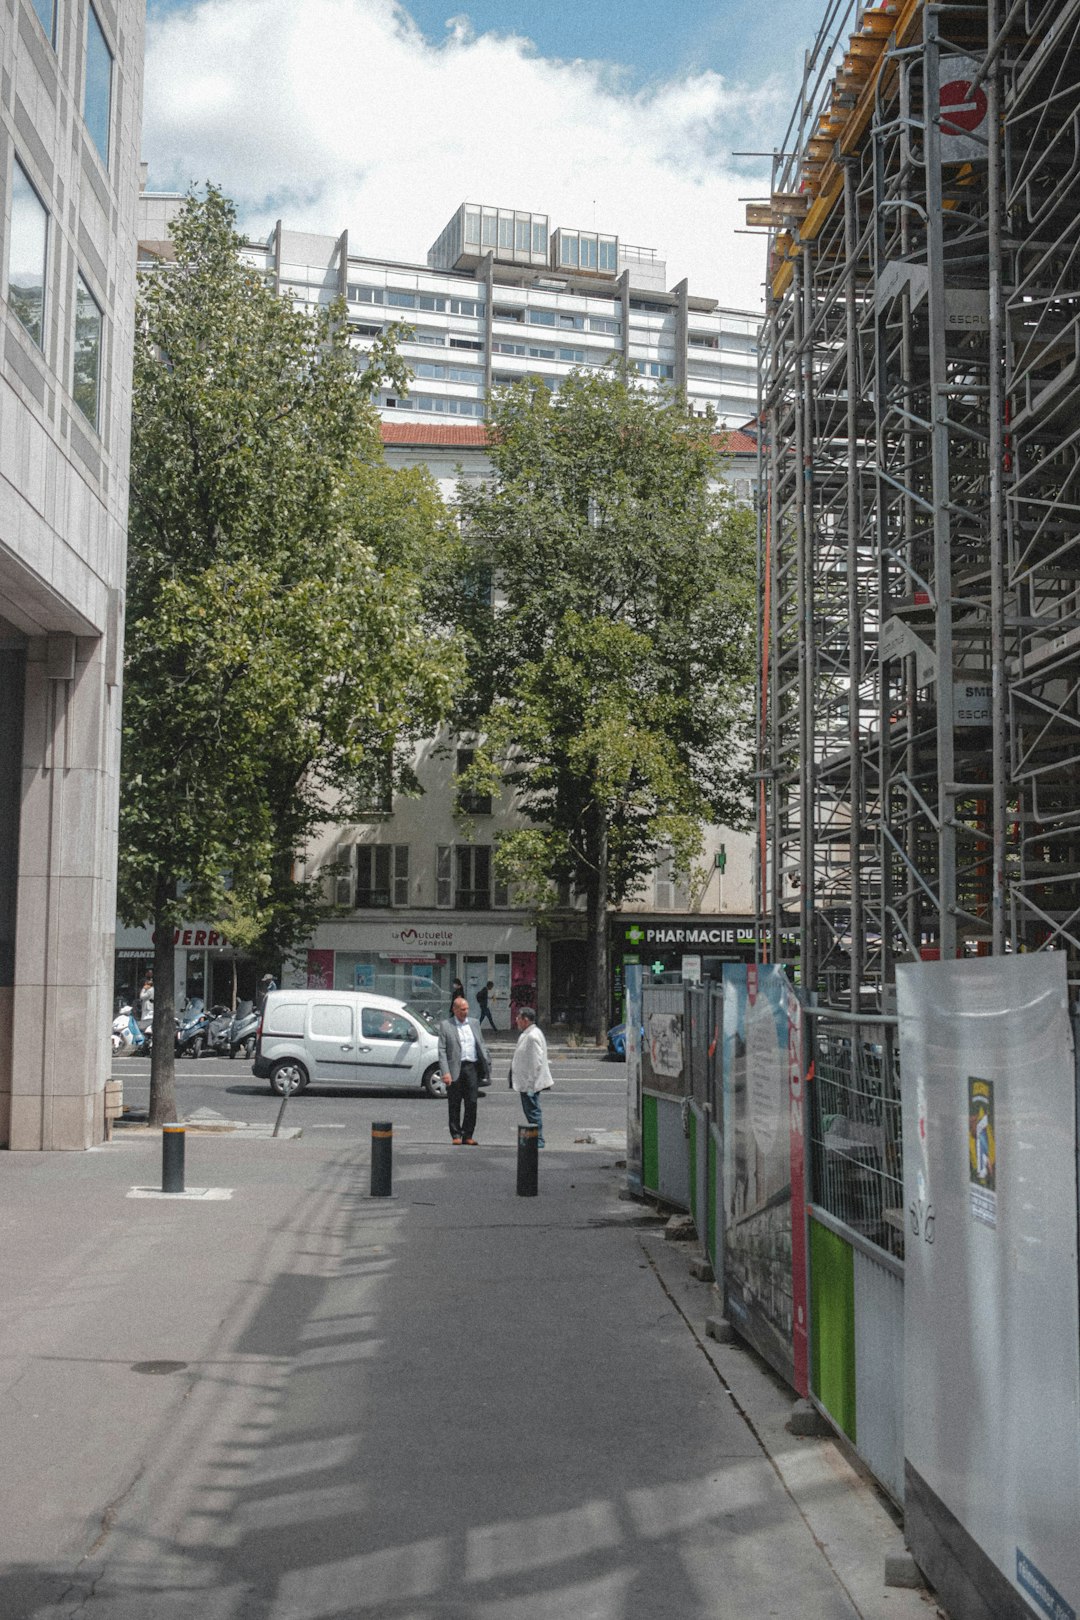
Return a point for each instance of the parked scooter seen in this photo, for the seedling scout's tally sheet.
(126, 1034)
(191, 1034)
(217, 1031)
(243, 1029)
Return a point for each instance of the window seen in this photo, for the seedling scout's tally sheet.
(653, 368)
(489, 231)
(575, 322)
(401, 874)
(380, 1024)
(466, 343)
(97, 88)
(500, 894)
(46, 15)
(339, 888)
(601, 323)
(521, 236)
(474, 877)
(26, 254)
(609, 259)
(541, 317)
(664, 891)
(472, 804)
(332, 1019)
(649, 306)
(506, 233)
(588, 252)
(466, 306)
(539, 245)
(86, 387)
(373, 862)
(568, 251)
(472, 227)
(444, 866)
(360, 330)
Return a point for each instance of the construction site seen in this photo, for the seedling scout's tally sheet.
(920, 625)
(918, 780)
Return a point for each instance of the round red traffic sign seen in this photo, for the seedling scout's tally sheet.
(960, 110)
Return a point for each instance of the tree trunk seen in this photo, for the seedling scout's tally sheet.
(596, 950)
(163, 1055)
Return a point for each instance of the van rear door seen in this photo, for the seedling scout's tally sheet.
(332, 1042)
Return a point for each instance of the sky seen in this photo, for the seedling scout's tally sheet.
(382, 116)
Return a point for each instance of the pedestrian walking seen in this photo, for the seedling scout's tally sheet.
(456, 989)
(530, 1073)
(463, 1059)
(482, 1003)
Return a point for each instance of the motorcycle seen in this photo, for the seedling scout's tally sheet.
(243, 1029)
(191, 1034)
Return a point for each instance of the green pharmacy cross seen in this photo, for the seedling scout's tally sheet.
(658, 967)
(635, 935)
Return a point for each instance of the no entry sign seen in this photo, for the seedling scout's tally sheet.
(963, 112)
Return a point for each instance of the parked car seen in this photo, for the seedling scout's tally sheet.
(616, 1042)
(346, 1038)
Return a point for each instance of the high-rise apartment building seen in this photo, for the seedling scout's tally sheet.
(502, 296)
(70, 108)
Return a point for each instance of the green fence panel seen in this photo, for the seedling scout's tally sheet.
(832, 1326)
(691, 1146)
(650, 1145)
(710, 1204)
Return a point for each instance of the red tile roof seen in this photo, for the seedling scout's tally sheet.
(435, 433)
(734, 443)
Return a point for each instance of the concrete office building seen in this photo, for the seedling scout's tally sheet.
(70, 110)
(502, 296)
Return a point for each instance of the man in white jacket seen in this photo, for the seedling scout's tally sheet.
(529, 1071)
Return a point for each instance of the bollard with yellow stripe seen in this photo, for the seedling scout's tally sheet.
(382, 1159)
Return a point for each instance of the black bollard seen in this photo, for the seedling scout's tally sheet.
(528, 1164)
(172, 1158)
(382, 1159)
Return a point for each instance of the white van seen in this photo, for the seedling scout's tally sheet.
(346, 1038)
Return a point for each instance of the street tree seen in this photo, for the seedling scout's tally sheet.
(279, 649)
(609, 671)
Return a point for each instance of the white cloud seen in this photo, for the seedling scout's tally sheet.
(339, 114)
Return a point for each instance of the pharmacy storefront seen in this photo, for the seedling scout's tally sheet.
(694, 947)
(419, 962)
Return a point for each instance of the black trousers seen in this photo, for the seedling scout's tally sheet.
(464, 1090)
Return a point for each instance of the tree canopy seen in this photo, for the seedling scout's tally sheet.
(608, 680)
(280, 653)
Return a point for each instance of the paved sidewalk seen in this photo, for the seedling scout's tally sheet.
(297, 1403)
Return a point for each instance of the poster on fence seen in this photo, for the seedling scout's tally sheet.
(764, 1270)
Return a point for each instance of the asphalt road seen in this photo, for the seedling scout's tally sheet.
(588, 1095)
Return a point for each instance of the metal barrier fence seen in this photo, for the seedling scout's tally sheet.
(855, 1126)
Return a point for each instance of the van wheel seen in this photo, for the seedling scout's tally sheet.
(288, 1075)
(432, 1083)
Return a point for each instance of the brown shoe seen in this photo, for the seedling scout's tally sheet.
(456, 1141)
(470, 1141)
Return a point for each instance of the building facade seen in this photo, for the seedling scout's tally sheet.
(70, 111)
(501, 297)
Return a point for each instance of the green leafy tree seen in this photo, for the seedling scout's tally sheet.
(279, 649)
(609, 683)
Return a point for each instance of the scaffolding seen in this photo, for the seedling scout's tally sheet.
(919, 747)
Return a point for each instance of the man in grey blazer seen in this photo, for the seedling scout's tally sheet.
(463, 1060)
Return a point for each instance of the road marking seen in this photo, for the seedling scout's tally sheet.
(206, 1194)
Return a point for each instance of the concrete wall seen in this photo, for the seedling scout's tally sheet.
(63, 514)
